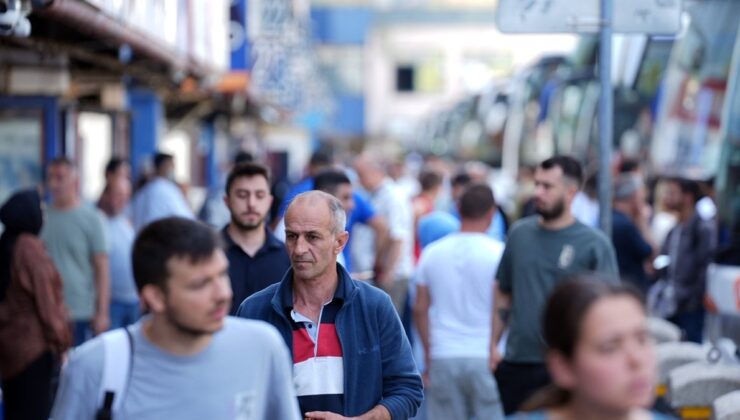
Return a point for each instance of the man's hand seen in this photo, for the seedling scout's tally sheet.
(100, 323)
(324, 415)
(494, 358)
(425, 379)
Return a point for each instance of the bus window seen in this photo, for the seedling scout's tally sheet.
(687, 135)
(728, 175)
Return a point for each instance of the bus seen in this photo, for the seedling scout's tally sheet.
(697, 136)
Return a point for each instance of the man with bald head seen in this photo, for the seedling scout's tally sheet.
(394, 266)
(351, 357)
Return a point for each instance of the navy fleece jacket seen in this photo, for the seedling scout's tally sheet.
(378, 364)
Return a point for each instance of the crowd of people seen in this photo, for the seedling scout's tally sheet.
(358, 293)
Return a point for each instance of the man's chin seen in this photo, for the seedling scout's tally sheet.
(248, 226)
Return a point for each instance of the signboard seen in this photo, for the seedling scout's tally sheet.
(568, 16)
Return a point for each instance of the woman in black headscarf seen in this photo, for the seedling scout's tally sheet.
(33, 319)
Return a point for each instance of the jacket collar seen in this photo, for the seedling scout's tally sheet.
(282, 301)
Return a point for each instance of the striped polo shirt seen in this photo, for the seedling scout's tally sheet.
(318, 370)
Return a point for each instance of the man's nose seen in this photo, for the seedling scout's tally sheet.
(300, 245)
(223, 289)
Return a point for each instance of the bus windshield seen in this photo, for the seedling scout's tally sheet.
(728, 175)
(687, 137)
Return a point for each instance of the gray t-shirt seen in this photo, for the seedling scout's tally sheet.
(244, 373)
(535, 260)
(72, 238)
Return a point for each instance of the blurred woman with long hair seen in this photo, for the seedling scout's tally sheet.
(33, 319)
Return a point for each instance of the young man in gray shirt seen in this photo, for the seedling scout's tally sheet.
(541, 251)
(189, 360)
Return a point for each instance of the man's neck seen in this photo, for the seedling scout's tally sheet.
(310, 295)
(249, 240)
(565, 220)
(66, 204)
(474, 226)
(168, 338)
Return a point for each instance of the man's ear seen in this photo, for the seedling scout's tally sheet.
(154, 298)
(572, 189)
(561, 370)
(341, 242)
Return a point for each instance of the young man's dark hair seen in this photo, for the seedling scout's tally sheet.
(688, 186)
(629, 165)
(476, 201)
(570, 167)
(321, 157)
(461, 179)
(429, 180)
(247, 169)
(329, 180)
(113, 164)
(62, 160)
(160, 159)
(242, 157)
(172, 237)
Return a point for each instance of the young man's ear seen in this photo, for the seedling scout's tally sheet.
(154, 298)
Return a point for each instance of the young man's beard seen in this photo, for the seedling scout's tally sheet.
(555, 212)
(247, 226)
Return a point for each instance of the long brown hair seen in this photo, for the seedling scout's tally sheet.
(562, 320)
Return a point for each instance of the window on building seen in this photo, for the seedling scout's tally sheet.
(423, 76)
(405, 78)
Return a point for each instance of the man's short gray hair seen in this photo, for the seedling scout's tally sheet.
(338, 215)
(336, 211)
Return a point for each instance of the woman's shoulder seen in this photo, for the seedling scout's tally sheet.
(29, 245)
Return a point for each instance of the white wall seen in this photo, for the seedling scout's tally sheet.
(391, 113)
(96, 139)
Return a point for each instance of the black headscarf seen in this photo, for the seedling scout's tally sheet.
(20, 214)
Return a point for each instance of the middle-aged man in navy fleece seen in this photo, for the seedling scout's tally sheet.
(351, 356)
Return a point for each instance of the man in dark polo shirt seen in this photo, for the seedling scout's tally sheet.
(256, 258)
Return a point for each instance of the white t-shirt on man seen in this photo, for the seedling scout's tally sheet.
(460, 271)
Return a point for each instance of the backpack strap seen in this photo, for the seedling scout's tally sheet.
(117, 366)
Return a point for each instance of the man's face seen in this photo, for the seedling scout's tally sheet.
(122, 172)
(312, 245)
(167, 170)
(198, 296)
(370, 177)
(552, 192)
(344, 194)
(61, 180)
(120, 192)
(672, 196)
(249, 201)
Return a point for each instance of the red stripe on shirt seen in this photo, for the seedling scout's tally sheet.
(329, 345)
(302, 346)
